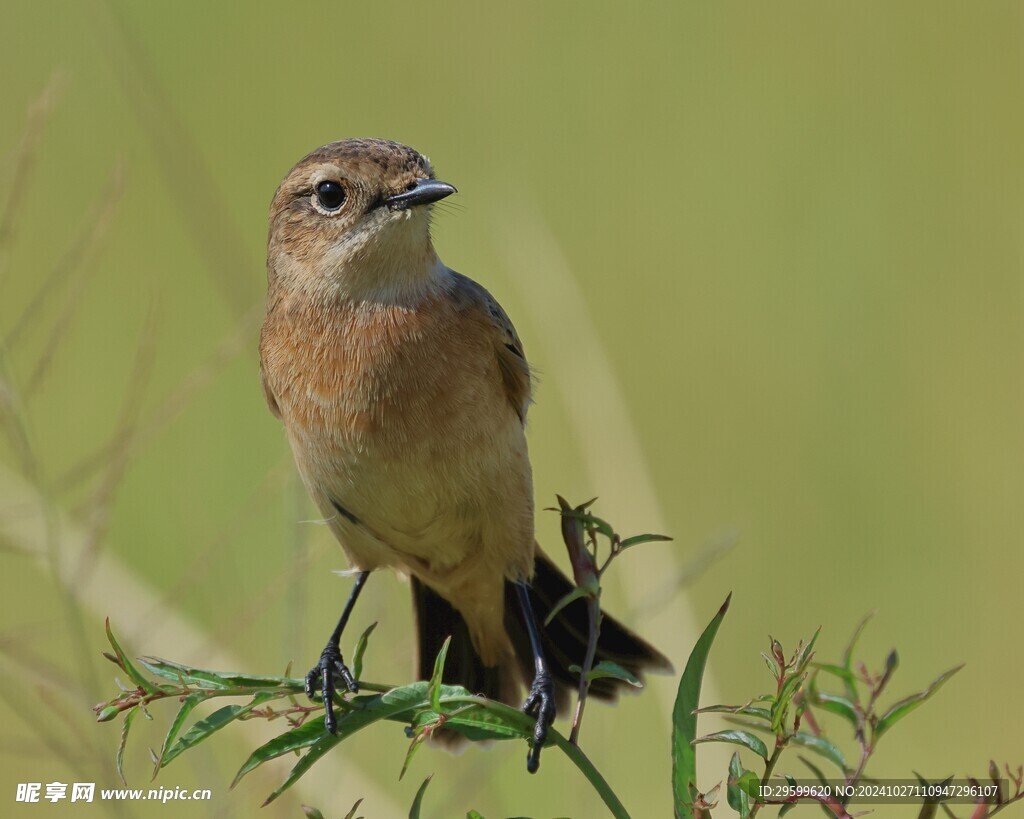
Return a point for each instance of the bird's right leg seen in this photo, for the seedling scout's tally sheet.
(331, 665)
(540, 702)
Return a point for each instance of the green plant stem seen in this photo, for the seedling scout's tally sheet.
(769, 768)
(594, 619)
(865, 752)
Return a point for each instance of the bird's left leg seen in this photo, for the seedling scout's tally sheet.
(540, 702)
(331, 664)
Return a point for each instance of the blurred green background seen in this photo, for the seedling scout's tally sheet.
(767, 259)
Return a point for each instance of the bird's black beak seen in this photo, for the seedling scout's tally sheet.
(424, 192)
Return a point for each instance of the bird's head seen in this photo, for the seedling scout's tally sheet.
(352, 219)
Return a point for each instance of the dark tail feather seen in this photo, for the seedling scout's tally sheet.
(436, 619)
(564, 639)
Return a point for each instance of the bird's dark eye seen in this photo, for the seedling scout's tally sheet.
(330, 195)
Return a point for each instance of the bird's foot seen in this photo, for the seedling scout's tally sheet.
(323, 679)
(540, 704)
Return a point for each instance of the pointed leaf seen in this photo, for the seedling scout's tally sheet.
(480, 724)
(636, 540)
(313, 755)
(606, 668)
(905, 706)
(414, 811)
(125, 728)
(836, 705)
(178, 673)
(298, 738)
(352, 811)
(311, 812)
(738, 797)
(414, 746)
(851, 689)
(684, 720)
(738, 738)
(822, 747)
(203, 729)
(835, 670)
(366, 711)
(783, 701)
(129, 668)
(187, 704)
(743, 710)
(357, 656)
(575, 594)
(805, 654)
(435, 678)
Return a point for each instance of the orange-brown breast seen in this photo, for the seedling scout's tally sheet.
(403, 415)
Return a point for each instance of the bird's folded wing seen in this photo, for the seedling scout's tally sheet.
(512, 364)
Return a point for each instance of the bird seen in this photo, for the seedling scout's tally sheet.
(403, 389)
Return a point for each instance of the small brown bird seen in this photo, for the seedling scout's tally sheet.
(403, 388)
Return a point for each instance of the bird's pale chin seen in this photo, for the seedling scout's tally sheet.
(388, 259)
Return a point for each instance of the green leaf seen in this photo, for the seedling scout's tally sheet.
(357, 656)
(743, 710)
(750, 741)
(835, 705)
(822, 747)
(805, 654)
(474, 815)
(905, 706)
(738, 796)
(636, 540)
(684, 719)
(784, 700)
(575, 594)
(478, 724)
(178, 673)
(365, 711)
(319, 749)
(414, 811)
(435, 678)
(125, 728)
(352, 811)
(588, 520)
(606, 668)
(294, 740)
(311, 812)
(187, 704)
(129, 668)
(851, 689)
(210, 725)
(835, 670)
(414, 746)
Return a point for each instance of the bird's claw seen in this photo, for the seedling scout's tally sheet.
(322, 679)
(540, 704)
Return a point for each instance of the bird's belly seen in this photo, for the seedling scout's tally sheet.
(405, 436)
(415, 487)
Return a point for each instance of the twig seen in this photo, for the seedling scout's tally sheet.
(594, 619)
